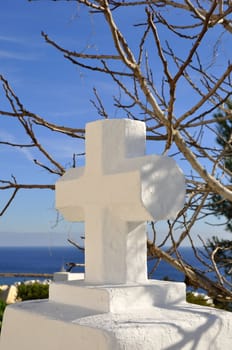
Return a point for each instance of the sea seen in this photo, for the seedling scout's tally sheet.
(47, 260)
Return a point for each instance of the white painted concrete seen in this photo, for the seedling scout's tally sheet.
(56, 326)
(118, 298)
(114, 194)
(115, 307)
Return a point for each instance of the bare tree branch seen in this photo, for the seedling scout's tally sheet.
(164, 79)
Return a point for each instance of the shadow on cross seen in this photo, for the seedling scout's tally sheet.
(162, 188)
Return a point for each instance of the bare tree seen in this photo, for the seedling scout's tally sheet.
(165, 64)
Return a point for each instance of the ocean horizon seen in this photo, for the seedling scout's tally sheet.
(48, 260)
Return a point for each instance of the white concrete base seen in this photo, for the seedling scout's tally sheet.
(117, 298)
(160, 320)
(53, 326)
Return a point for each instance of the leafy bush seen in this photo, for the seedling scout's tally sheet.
(32, 291)
(223, 305)
(199, 299)
(2, 308)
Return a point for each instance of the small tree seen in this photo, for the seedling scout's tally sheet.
(221, 253)
(219, 249)
(219, 205)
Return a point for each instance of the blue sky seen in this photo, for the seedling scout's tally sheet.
(49, 88)
(58, 91)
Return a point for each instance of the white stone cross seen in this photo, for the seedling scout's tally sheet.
(117, 191)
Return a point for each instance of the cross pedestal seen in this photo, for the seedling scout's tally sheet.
(115, 306)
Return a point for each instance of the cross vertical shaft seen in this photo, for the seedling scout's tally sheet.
(115, 255)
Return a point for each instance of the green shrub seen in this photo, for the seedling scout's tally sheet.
(32, 291)
(199, 299)
(2, 308)
(223, 305)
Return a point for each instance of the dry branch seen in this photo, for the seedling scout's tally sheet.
(149, 73)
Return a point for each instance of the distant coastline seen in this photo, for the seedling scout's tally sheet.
(44, 261)
(27, 275)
